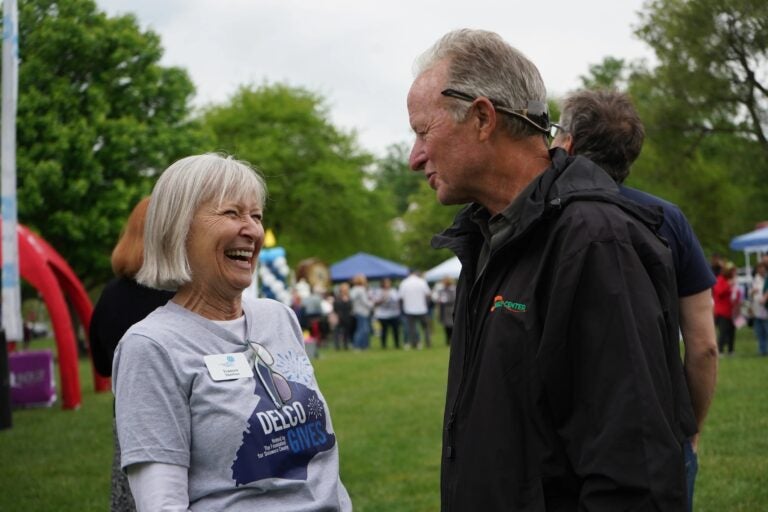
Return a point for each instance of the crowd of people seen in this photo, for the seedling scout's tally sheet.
(740, 302)
(400, 315)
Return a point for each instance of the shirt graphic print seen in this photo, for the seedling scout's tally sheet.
(280, 442)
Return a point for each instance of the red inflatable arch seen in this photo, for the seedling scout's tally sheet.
(42, 267)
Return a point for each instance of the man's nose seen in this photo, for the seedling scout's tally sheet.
(418, 157)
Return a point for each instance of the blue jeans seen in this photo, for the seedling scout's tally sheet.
(361, 338)
(691, 469)
(761, 333)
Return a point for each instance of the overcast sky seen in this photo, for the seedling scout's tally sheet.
(358, 54)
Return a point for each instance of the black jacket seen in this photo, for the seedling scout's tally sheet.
(565, 387)
(123, 302)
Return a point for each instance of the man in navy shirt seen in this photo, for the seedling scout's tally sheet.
(605, 127)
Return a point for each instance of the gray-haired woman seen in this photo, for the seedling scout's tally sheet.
(217, 404)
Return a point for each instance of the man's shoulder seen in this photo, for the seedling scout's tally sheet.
(645, 198)
(585, 222)
(593, 216)
(676, 227)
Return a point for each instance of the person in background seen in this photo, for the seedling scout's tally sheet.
(716, 263)
(386, 310)
(604, 126)
(726, 309)
(759, 313)
(122, 303)
(444, 295)
(297, 305)
(361, 311)
(565, 383)
(328, 318)
(415, 296)
(312, 309)
(216, 401)
(345, 321)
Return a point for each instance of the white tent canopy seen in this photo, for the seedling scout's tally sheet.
(448, 268)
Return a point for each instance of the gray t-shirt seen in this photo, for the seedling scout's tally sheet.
(241, 450)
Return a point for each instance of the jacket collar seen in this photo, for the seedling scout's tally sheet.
(567, 179)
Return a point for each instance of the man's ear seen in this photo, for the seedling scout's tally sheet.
(564, 141)
(568, 143)
(484, 117)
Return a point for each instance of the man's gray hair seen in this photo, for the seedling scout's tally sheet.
(483, 64)
(179, 192)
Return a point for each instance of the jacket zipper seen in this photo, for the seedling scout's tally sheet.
(450, 450)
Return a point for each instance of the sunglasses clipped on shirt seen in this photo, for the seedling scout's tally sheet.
(275, 385)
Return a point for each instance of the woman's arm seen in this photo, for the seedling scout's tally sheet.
(158, 487)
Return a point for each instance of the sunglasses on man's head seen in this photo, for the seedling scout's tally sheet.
(535, 115)
(555, 130)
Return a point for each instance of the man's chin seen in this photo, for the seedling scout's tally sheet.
(447, 199)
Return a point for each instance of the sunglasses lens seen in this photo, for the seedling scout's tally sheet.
(264, 354)
(283, 388)
(267, 382)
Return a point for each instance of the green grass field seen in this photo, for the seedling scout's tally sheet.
(387, 413)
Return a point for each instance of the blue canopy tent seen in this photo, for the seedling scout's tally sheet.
(753, 242)
(372, 267)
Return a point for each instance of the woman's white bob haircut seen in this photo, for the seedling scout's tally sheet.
(179, 192)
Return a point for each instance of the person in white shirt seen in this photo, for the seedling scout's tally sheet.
(387, 311)
(415, 295)
(361, 310)
(759, 312)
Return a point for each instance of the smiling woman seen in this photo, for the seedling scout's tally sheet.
(193, 188)
(195, 379)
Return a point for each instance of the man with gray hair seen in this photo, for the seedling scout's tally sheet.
(604, 126)
(565, 385)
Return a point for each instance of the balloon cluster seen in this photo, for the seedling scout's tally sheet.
(273, 274)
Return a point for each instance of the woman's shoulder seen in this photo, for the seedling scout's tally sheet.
(162, 319)
(265, 306)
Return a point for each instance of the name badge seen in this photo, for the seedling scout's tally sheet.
(228, 366)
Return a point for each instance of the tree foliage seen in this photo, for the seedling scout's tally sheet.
(97, 115)
(713, 62)
(425, 217)
(705, 107)
(318, 203)
(394, 178)
(611, 73)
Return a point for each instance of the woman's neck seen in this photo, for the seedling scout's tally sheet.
(210, 306)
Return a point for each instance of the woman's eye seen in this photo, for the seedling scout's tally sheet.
(256, 216)
(231, 213)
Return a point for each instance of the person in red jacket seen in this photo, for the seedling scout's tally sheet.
(727, 299)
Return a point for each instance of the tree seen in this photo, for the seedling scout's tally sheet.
(612, 73)
(713, 56)
(318, 203)
(97, 117)
(393, 176)
(425, 217)
(705, 107)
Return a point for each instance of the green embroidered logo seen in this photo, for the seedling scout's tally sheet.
(515, 307)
